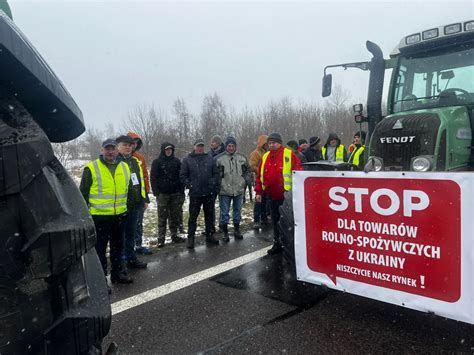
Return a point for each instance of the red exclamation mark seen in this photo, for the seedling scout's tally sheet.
(422, 281)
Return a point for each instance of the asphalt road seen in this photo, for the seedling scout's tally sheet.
(258, 307)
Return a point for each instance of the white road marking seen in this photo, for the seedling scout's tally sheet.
(164, 290)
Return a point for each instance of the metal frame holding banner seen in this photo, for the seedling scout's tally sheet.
(403, 238)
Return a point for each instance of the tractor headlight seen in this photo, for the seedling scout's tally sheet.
(422, 163)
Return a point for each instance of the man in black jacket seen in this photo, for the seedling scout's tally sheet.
(313, 152)
(200, 175)
(137, 199)
(169, 192)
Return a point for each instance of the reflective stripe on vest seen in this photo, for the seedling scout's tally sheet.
(108, 194)
(142, 178)
(287, 178)
(339, 153)
(355, 156)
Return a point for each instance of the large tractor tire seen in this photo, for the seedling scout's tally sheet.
(287, 228)
(53, 294)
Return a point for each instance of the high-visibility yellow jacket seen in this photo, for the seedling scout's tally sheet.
(356, 157)
(339, 153)
(286, 171)
(108, 194)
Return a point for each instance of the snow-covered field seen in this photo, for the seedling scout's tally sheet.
(150, 220)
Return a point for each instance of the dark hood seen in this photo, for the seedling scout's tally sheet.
(162, 150)
(331, 137)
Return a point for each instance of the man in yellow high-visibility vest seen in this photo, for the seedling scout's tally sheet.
(357, 155)
(104, 185)
(333, 150)
(274, 178)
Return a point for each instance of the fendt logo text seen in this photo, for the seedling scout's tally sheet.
(405, 139)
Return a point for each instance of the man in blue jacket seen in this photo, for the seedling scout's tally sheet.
(200, 175)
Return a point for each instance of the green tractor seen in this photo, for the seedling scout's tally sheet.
(430, 117)
(430, 121)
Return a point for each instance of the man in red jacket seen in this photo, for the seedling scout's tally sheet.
(274, 177)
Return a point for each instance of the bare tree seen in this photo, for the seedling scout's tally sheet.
(149, 124)
(92, 141)
(182, 119)
(213, 116)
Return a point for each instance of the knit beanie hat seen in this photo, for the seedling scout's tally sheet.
(292, 144)
(275, 137)
(230, 140)
(216, 139)
(314, 140)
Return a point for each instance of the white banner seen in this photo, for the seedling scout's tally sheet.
(402, 238)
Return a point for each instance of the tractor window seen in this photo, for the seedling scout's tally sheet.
(434, 79)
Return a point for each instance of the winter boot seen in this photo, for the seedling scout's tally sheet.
(120, 278)
(275, 249)
(211, 239)
(224, 228)
(190, 242)
(237, 234)
(136, 264)
(176, 239)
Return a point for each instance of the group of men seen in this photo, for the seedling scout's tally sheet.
(116, 185)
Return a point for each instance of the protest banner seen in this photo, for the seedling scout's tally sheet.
(403, 238)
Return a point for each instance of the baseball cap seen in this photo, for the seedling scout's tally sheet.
(109, 142)
(124, 139)
(199, 141)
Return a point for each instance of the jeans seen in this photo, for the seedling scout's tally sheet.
(109, 229)
(139, 231)
(260, 210)
(131, 224)
(195, 203)
(224, 204)
(275, 205)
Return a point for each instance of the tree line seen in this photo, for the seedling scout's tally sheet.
(293, 120)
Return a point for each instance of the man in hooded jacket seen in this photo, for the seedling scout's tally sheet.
(169, 192)
(333, 150)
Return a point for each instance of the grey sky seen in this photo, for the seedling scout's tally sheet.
(114, 55)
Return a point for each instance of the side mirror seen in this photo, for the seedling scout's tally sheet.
(327, 84)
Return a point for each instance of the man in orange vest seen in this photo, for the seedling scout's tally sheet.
(274, 178)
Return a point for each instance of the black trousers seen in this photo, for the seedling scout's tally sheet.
(207, 203)
(275, 206)
(110, 229)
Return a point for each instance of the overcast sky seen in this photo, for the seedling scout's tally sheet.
(114, 55)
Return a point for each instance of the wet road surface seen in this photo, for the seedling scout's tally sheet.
(258, 307)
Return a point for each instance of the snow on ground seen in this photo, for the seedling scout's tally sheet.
(150, 220)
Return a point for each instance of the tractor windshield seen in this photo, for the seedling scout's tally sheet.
(434, 79)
